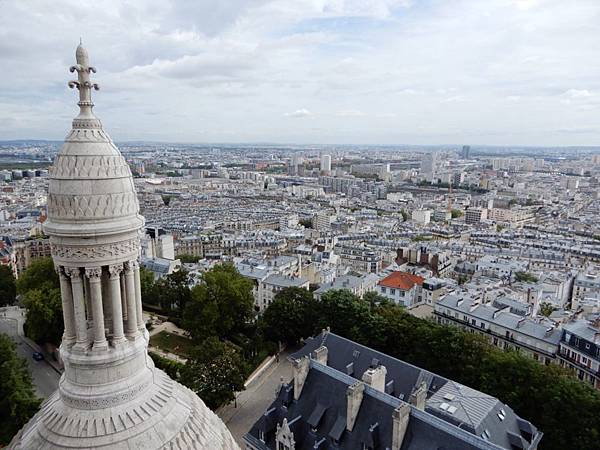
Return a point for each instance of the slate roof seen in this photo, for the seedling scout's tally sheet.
(324, 396)
(543, 331)
(476, 412)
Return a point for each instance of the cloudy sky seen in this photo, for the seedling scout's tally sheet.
(508, 72)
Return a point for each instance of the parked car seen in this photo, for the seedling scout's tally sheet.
(38, 356)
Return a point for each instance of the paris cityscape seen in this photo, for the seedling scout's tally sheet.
(317, 279)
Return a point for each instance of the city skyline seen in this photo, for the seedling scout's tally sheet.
(317, 72)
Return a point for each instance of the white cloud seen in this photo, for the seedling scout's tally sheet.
(302, 112)
(492, 70)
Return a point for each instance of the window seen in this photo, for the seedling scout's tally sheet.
(383, 290)
(393, 291)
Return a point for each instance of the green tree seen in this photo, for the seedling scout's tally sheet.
(214, 372)
(525, 277)
(220, 305)
(344, 313)
(547, 308)
(8, 286)
(44, 320)
(147, 286)
(291, 316)
(189, 258)
(456, 213)
(39, 275)
(18, 402)
(172, 292)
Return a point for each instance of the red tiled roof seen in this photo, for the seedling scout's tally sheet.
(401, 280)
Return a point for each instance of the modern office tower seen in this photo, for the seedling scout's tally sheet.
(325, 163)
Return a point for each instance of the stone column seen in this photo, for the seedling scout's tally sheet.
(93, 274)
(123, 296)
(115, 302)
(132, 329)
(78, 307)
(138, 295)
(67, 306)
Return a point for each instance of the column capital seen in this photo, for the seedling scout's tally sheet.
(73, 272)
(132, 265)
(61, 271)
(115, 270)
(93, 273)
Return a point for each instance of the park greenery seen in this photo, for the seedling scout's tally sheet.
(218, 314)
(18, 402)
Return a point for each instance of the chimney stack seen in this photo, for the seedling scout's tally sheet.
(354, 396)
(400, 418)
(300, 368)
(418, 397)
(375, 377)
(321, 355)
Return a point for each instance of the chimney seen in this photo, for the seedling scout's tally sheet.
(375, 377)
(354, 396)
(300, 368)
(321, 355)
(418, 397)
(400, 418)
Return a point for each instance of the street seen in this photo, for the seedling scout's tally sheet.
(253, 402)
(45, 378)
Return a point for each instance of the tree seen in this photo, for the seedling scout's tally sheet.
(166, 199)
(189, 258)
(8, 287)
(147, 286)
(214, 372)
(456, 213)
(18, 402)
(44, 320)
(525, 277)
(39, 275)
(172, 292)
(374, 299)
(220, 305)
(547, 308)
(291, 316)
(344, 313)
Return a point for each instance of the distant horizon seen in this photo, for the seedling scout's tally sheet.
(446, 146)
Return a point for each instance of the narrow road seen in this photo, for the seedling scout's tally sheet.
(253, 402)
(45, 378)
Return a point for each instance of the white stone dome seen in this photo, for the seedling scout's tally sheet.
(110, 396)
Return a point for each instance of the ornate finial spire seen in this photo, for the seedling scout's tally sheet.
(83, 83)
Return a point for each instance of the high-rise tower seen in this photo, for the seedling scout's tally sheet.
(110, 396)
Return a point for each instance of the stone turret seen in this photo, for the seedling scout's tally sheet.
(110, 396)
